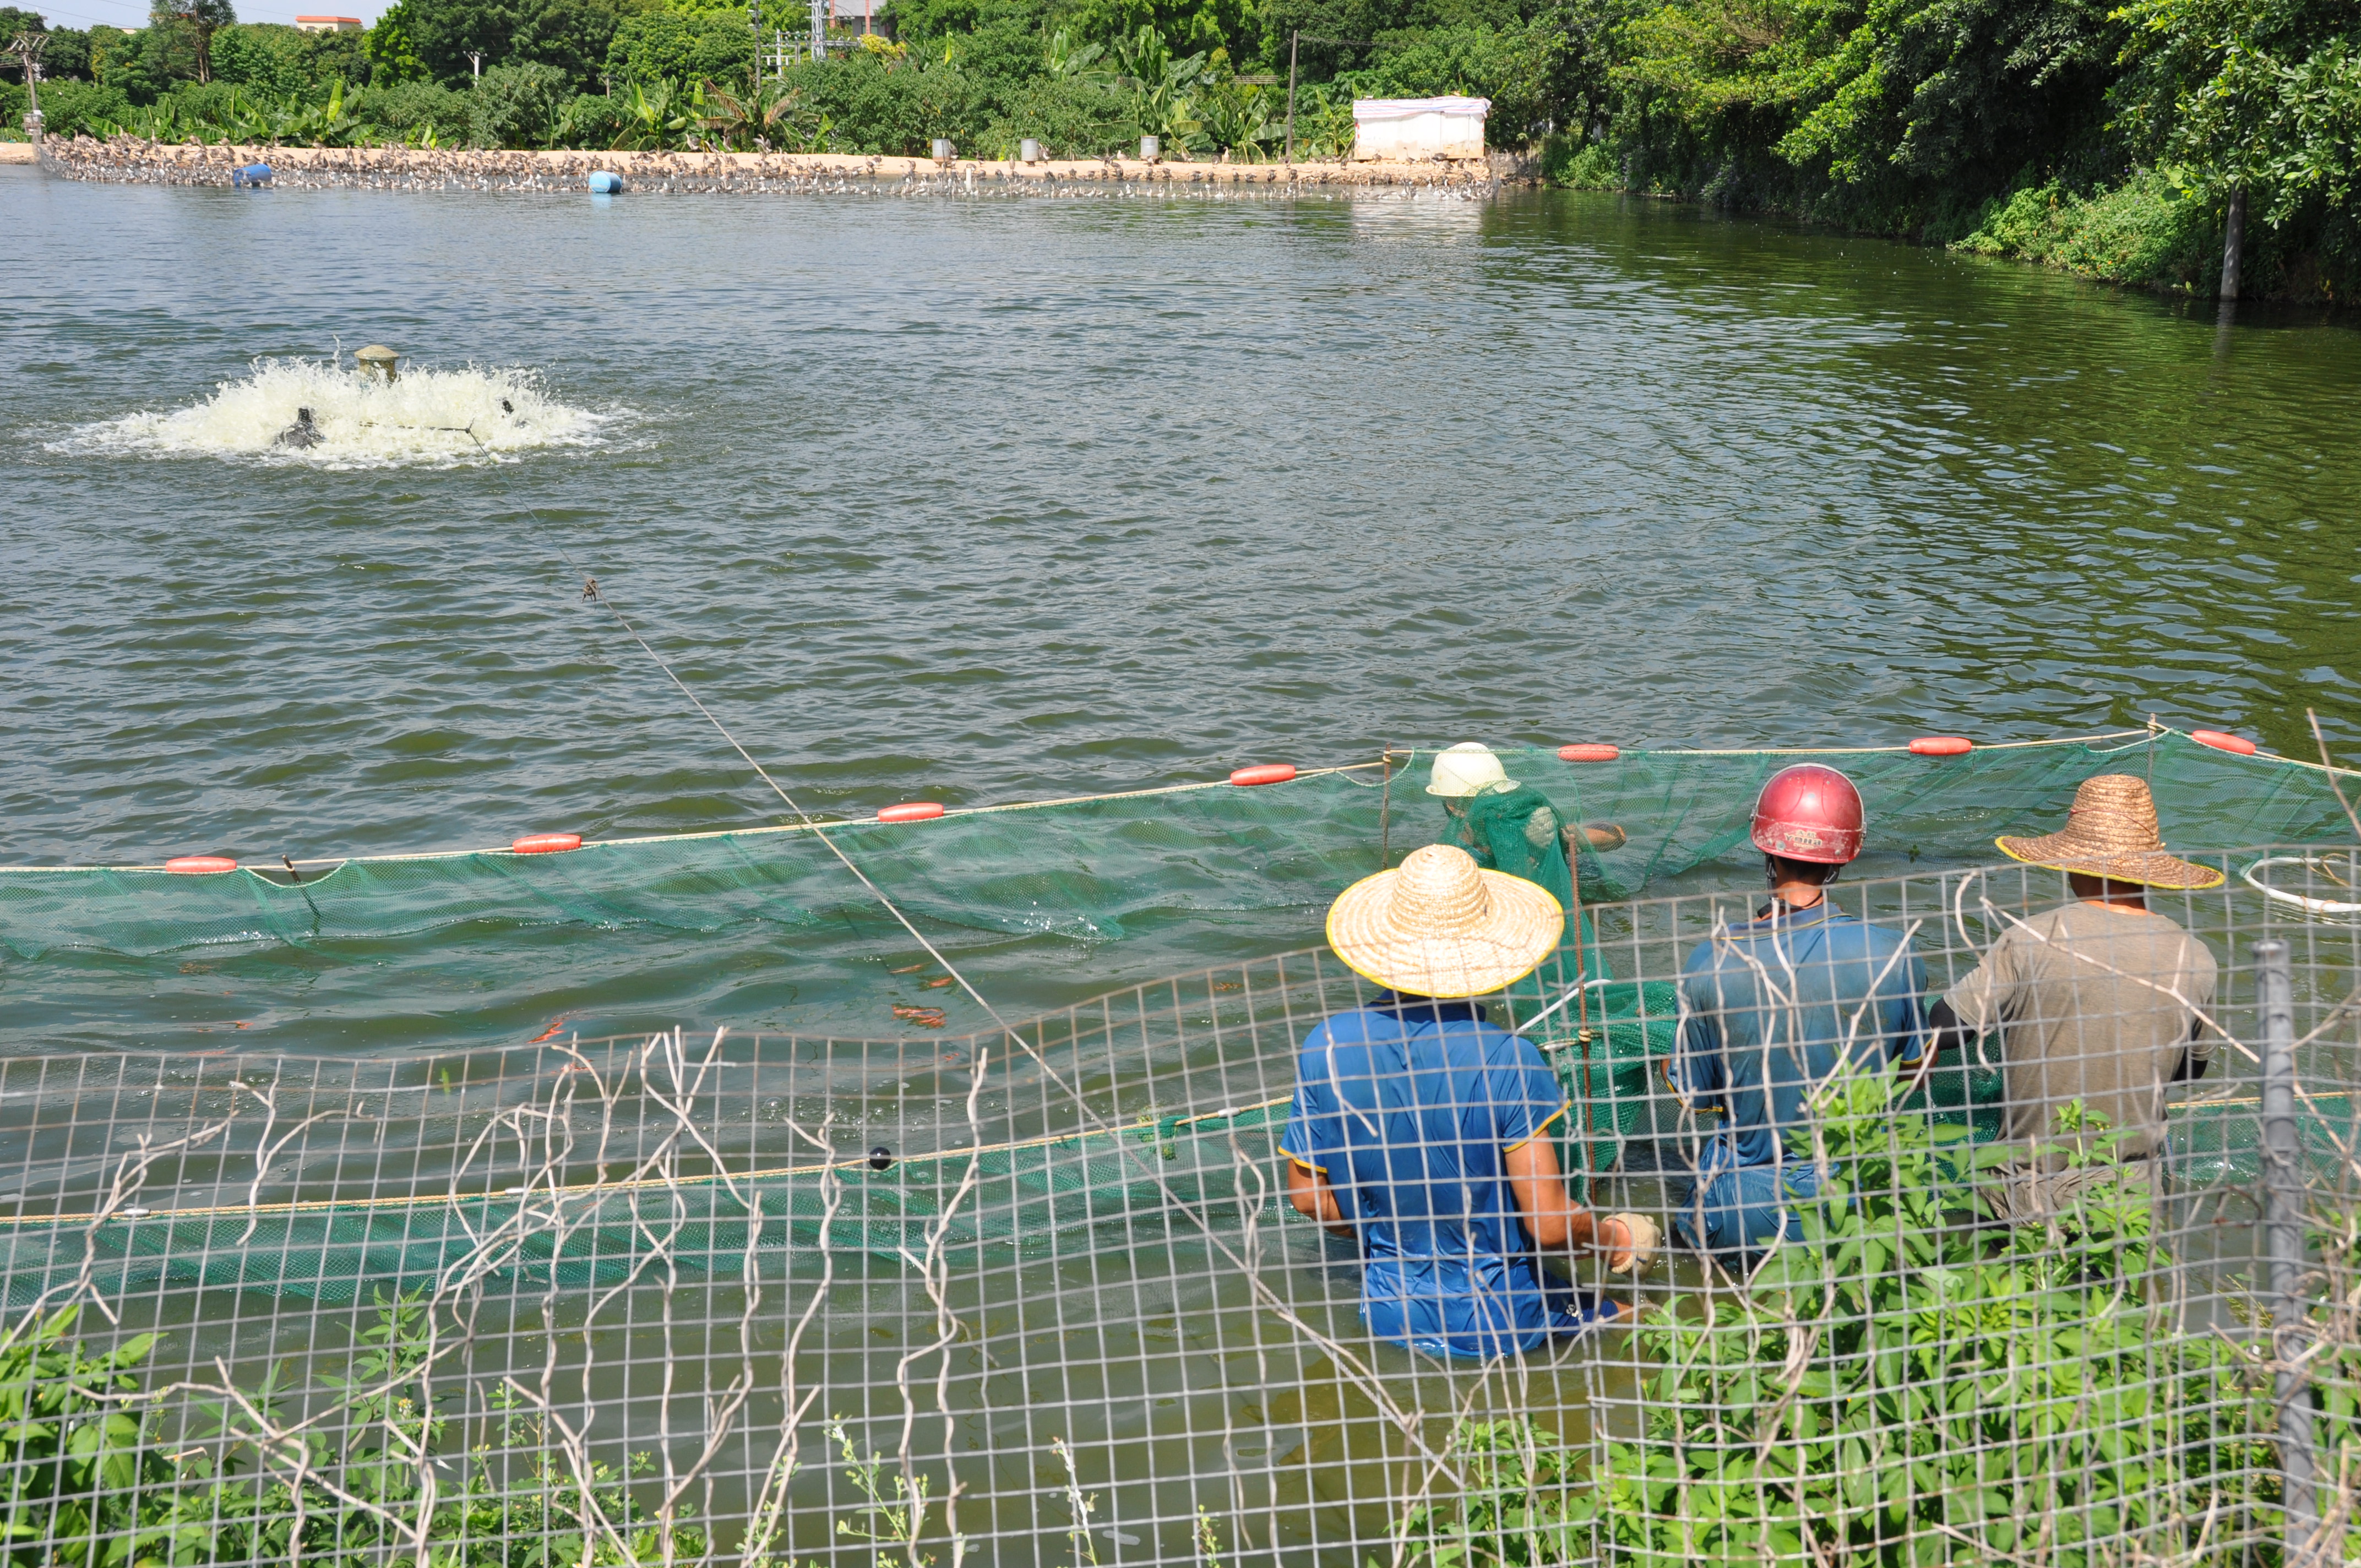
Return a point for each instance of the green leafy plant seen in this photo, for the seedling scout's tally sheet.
(658, 120)
(1903, 1382)
(1161, 82)
(83, 1480)
(88, 1484)
(1512, 1508)
(895, 1524)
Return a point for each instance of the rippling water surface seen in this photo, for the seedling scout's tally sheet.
(991, 499)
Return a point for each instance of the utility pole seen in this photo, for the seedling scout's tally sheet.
(754, 24)
(1293, 39)
(27, 49)
(475, 60)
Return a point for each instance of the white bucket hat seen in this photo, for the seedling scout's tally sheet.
(1468, 768)
(1438, 924)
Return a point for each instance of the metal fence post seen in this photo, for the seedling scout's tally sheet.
(2283, 1242)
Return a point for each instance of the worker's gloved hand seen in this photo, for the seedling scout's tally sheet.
(1630, 1241)
(1599, 835)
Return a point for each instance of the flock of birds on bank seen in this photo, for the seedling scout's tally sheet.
(131, 162)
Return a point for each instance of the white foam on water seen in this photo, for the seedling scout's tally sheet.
(427, 417)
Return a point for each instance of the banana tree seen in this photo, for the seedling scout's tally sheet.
(314, 124)
(1235, 117)
(653, 121)
(1079, 61)
(775, 119)
(1163, 83)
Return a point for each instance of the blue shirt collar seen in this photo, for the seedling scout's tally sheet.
(1411, 1008)
(1777, 913)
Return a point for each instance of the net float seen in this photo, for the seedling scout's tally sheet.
(1263, 773)
(1588, 752)
(2237, 744)
(915, 811)
(199, 865)
(1942, 746)
(545, 844)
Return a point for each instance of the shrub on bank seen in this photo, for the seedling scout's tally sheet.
(77, 109)
(411, 111)
(878, 104)
(1072, 119)
(2146, 233)
(517, 106)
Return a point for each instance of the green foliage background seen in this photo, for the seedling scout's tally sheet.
(2099, 136)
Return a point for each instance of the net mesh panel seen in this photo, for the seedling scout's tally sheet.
(1069, 1287)
(655, 1298)
(1042, 906)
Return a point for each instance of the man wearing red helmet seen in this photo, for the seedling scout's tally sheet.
(1776, 1007)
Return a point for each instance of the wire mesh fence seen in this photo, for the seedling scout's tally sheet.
(1046, 1296)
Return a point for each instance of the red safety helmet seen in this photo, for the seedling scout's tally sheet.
(1808, 813)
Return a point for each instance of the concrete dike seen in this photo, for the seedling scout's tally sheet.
(127, 161)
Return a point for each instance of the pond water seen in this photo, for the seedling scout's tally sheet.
(1002, 500)
(995, 500)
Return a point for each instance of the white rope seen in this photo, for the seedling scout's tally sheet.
(2323, 906)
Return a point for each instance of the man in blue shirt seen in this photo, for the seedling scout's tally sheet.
(1773, 1010)
(1420, 1131)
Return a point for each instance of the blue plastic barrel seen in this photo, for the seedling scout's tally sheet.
(603, 183)
(252, 174)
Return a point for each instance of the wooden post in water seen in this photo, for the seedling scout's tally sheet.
(2233, 239)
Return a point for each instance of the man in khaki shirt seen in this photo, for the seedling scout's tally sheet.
(2101, 1003)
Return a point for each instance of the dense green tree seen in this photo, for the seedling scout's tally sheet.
(1232, 26)
(143, 64)
(198, 21)
(76, 108)
(572, 34)
(275, 59)
(391, 49)
(413, 111)
(1516, 68)
(876, 103)
(2258, 94)
(666, 46)
(517, 106)
(65, 51)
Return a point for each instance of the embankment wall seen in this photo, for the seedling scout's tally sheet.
(124, 160)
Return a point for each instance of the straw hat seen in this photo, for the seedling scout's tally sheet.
(1438, 924)
(2111, 832)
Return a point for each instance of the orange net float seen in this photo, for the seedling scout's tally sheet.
(915, 811)
(2237, 744)
(1263, 773)
(1588, 752)
(200, 865)
(545, 844)
(1942, 746)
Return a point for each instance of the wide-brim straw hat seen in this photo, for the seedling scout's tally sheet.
(1439, 925)
(2111, 831)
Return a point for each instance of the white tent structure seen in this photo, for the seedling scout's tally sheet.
(1419, 128)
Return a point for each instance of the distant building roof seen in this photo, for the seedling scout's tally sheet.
(328, 24)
